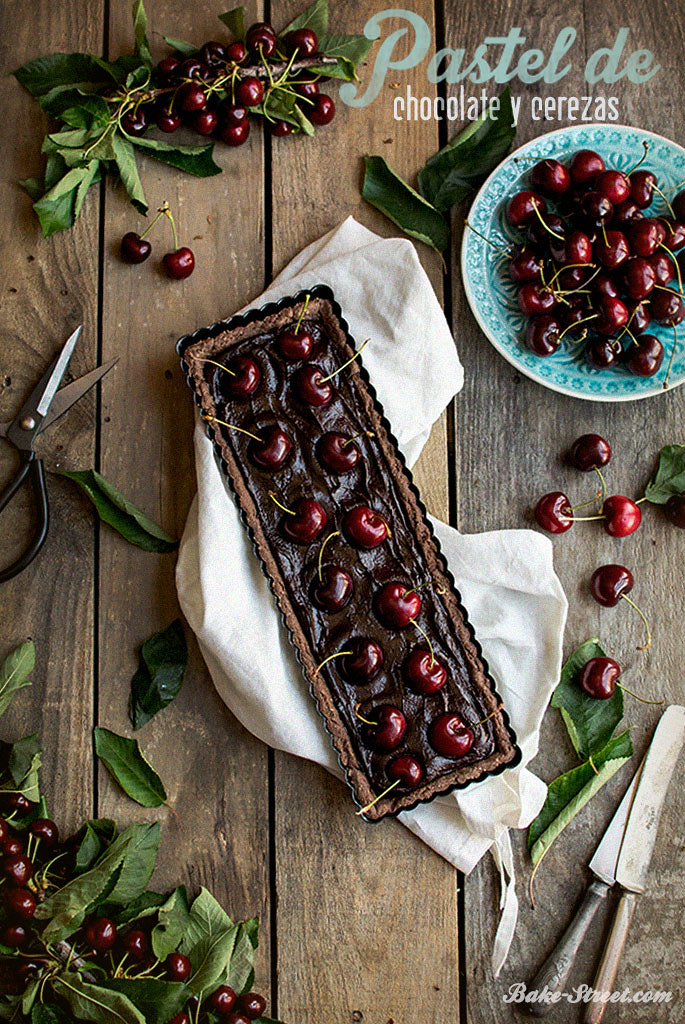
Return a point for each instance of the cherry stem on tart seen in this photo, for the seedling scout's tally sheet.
(275, 500)
(364, 433)
(351, 360)
(321, 550)
(301, 316)
(232, 426)
(439, 589)
(361, 718)
(204, 359)
(424, 634)
(340, 654)
(379, 797)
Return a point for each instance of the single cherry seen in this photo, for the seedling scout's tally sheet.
(177, 967)
(273, 448)
(334, 590)
(295, 344)
(639, 316)
(308, 88)
(586, 166)
(642, 188)
(615, 185)
(17, 868)
(577, 248)
(169, 122)
(12, 846)
(322, 110)
(181, 1018)
(449, 736)
(338, 452)
(588, 452)
(191, 97)
(251, 1003)
(623, 516)
(20, 903)
(613, 315)
(14, 935)
(626, 213)
(602, 353)
(543, 335)
(612, 250)
(667, 307)
(134, 249)
(645, 236)
(598, 677)
(551, 177)
(639, 277)
(312, 387)
(249, 92)
(46, 830)
(281, 129)
(521, 207)
(663, 267)
(553, 512)
(365, 661)
(645, 356)
(596, 209)
(100, 934)
(364, 527)
(674, 239)
(397, 604)
(222, 1000)
(243, 378)
(303, 41)
(134, 122)
(213, 54)
(235, 133)
(180, 263)
(307, 522)
(675, 510)
(606, 284)
(535, 299)
(609, 583)
(543, 230)
(425, 672)
(136, 945)
(236, 52)
(525, 265)
(261, 39)
(407, 769)
(205, 121)
(388, 729)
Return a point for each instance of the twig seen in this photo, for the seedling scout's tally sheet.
(66, 954)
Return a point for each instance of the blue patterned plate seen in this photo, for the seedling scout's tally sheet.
(492, 294)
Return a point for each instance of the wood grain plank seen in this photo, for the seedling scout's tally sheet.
(511, 434)
(356, 903)
(48, 287)
(215, 772)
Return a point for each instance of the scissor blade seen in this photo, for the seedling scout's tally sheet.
(55, 378)
(69, 395)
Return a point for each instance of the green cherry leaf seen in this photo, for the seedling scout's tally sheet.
(121, 514)
(125, 156)
(42, 75)
(405, 207)
(142, 47)
(127, 766)
(95, 1002)
(196, 160)
(234, 21)
(14, 673)
(314, 17)
(590, 723)
(180, 45)
(669, 476)
(159, 678)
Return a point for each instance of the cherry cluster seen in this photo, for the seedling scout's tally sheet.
(598, 268)
(32, 862)
(214, 90)
(396, 604)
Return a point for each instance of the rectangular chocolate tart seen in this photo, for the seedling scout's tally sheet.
(332, 597)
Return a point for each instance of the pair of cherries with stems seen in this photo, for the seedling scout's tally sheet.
(178, 264)
(621, 516)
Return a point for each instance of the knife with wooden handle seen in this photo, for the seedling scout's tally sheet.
(637, 846)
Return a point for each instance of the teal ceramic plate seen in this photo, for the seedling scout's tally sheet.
(492, 294)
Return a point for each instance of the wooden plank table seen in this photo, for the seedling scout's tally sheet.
(359, 924)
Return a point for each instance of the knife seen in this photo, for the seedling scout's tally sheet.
(604, 865)
(557, 967)
(637, 846)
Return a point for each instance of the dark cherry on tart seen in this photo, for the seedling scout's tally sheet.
(359, 578)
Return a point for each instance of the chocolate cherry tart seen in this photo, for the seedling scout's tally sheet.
(358, 577)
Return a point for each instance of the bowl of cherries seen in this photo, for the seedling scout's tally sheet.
(573, 261)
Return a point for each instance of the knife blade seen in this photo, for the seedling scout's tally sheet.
(638, 844)
(605, 858)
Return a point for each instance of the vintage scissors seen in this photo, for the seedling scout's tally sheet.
(42, 408)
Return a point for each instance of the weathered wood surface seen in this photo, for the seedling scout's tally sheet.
(365, 922)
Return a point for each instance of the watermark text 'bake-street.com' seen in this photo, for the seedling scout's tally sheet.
(519, 993)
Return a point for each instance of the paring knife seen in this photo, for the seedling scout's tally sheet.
(639, 840)
(604, 866)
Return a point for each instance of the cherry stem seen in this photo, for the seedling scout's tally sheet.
(583, 519)
(577, 324)
(361, 718)
(568, 266)
(675, 263)
(592, 765)
(604, 232)
(644, 619)
(165, 210)
(497, 248)
(201, 359)
(340, 654)
(586, 503)
(645, 146)
(424, 634)
(604, 486)
(160, 213)
(663, 196)
(364, 433)
(488, 717)
(280, 504)
(545, 226)
(637, 695)
(674, 187)
(329, 537)
(351, 360)
(379, 797)
(583, 287)
(232, 426)
(670, 361)
(304, 310)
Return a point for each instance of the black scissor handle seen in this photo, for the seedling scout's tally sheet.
(32, 466)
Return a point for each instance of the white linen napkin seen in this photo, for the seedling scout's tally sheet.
(506, 579)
